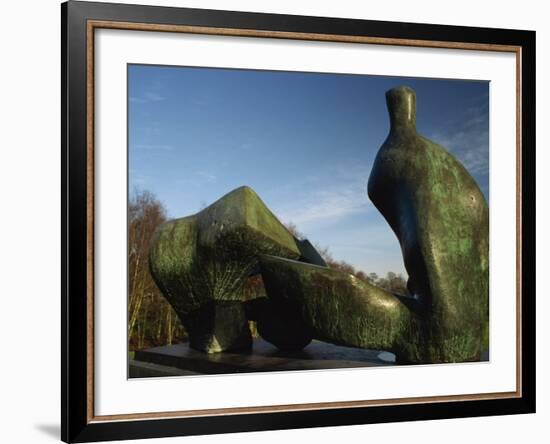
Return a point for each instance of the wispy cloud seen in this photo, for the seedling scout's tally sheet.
(328, 198)
(147, 97)
(333, 210)
(206, 176)
(469, 141)
(325, 205)
(197, 178)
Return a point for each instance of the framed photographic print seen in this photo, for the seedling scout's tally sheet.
(275, 221)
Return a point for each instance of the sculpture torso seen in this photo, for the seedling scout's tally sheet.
(440, 217)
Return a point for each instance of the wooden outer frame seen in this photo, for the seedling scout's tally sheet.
(79, 20)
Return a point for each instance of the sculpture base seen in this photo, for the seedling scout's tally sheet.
(180, 360)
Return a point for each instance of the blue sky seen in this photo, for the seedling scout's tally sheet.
(305, 142)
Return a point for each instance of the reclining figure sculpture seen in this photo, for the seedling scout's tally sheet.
(432, 204)
(201, 264)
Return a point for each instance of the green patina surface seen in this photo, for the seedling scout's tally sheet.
(217, 327)
(207, 257)
(337, 307)
(433, 205)
(441, 219)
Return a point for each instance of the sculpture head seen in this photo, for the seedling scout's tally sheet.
(401, 102)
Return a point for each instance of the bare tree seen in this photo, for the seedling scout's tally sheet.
(291, 226)
(151, 320)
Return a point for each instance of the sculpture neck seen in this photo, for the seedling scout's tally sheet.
(401, 102)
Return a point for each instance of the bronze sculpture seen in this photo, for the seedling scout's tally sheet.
(432, 204)
(441, 219)
(201, 263)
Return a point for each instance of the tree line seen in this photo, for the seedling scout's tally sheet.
(393, 282)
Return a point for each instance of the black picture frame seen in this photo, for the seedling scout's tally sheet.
(77, 425)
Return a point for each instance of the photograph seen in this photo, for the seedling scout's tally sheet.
(287, 221)
(294, 220)
(275, 221)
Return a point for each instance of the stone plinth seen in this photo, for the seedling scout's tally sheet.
(180, 359)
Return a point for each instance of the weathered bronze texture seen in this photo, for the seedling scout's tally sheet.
(336, 306)
(441, 219)
(203, 260)
(431, 202)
